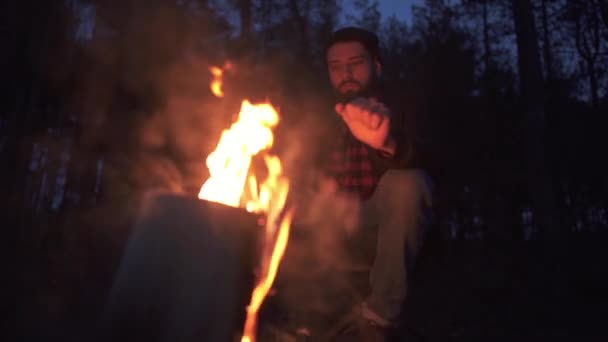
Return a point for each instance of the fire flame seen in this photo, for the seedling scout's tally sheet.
(265, 283)
(231, 184)
(229, 163)
(216, 83)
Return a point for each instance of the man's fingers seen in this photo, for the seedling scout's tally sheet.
(339, 108)
(356, 112)
(369, 113)
(375, 120)
(365, 115)
(346, 111)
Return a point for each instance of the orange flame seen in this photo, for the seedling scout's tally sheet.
(229, 165)
(265, 283)
(216, 83)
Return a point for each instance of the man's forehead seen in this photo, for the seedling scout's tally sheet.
(346, 50)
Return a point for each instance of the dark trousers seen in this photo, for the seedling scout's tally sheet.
(399, 209)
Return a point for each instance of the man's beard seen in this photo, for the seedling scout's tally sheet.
(369, 90)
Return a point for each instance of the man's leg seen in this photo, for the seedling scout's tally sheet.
(400, 208)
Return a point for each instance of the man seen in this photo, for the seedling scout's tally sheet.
(376, 158)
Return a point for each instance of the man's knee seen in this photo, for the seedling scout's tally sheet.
(406, 186)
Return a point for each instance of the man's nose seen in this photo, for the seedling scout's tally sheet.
(348, 70)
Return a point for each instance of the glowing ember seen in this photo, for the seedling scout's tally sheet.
(229, 174)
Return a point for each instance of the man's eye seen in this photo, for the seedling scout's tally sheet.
(335, 67)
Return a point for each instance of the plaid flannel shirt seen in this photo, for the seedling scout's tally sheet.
(357, 168)
(351, 165)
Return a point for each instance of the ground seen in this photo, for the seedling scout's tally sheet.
(497, 291)
(462, 291)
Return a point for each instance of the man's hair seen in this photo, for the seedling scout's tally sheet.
(368, 39)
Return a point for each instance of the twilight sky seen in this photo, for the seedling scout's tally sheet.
(401, 8)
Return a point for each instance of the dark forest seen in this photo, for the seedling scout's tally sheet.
(102, 101)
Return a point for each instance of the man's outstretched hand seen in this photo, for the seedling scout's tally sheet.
(369, 121)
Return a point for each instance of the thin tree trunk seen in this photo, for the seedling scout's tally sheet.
(603, 7)
(596, 36)
(547, 55)
(531, 88)
(588, 44)
(593, 83)
(245, 14)
(486, 36)
(302, 27)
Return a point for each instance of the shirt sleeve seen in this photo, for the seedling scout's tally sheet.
(411, 146)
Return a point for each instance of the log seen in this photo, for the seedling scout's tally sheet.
(186, 273)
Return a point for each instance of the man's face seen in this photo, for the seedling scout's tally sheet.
(351, 68)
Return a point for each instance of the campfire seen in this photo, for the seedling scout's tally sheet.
(232, 183)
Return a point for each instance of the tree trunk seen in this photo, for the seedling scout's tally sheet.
(301, 27)
(547, 43)
(532, 100)
(486, 37)
(245, 14)
(603, 6)
(588, 44)
(593, 84)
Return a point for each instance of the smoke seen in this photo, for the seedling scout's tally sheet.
(315, 278)
(154, 120)
(314, 283)
(188, 125)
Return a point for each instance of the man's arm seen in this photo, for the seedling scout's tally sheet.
(390, 147)
(385, 130)
(398, 154)
(405, 146)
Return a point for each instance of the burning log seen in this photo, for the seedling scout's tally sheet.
(186, 274)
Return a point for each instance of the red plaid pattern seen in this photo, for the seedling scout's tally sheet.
(351, 166)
